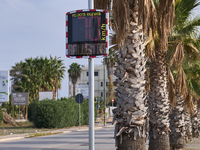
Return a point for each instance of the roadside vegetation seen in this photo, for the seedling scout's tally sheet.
(24, 127)
(58, 114)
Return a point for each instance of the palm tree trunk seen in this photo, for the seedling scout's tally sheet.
(110, 89)
(158, 103)
(195, 122)
(188, 125)
(177, 124)
(74, 90)
(130, 114)
(130, 144)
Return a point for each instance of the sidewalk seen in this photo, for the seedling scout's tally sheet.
(71, 129)
(193, 145)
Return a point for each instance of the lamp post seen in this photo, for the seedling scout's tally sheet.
(57, 75)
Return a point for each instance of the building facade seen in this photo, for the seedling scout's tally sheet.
(98, 81)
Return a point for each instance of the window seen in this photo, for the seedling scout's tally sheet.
(101, 94)
(106, 83)
(101, 83)
(96, 73)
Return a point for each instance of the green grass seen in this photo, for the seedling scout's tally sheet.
(24, 127)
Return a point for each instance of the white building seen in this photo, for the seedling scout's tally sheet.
(98, 82)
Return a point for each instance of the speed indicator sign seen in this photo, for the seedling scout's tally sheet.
(86, 33)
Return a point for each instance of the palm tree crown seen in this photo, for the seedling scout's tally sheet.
(74, 73)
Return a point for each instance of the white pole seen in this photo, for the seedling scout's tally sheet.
(91, 4)
(91, 94)
(91, 104)
(79, 113)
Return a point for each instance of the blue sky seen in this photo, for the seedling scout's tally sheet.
(32, 28)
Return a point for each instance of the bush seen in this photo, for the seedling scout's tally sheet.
(1, 116)
(59, 113)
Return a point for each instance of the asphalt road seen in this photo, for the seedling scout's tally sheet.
(78, 140)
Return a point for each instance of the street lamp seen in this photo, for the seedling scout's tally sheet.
(57, 75)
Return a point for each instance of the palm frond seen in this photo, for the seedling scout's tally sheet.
(171, 88)
(147, 16)
(189, 102)
(181, 83)
(103, 4)
(166, 15)
(178, 56)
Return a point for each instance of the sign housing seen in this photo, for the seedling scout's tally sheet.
(86, 33)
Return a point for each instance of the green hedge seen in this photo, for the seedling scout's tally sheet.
(58, 114)
(1, 116)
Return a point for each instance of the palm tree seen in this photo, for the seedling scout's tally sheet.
(55, 73)
(131, 112)
(74, 73)
(129, 18)
(161, 26)
(183, 38)
(110, 62)
(38, 74)
(192, 71)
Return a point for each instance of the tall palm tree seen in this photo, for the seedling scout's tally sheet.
(184, 41)
(74, 73)
(161, 23)
(131, 112)
(192, 71)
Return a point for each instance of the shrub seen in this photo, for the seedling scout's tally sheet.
(1, 116)
(59, 113)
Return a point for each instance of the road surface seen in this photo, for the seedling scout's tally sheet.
(78, 140)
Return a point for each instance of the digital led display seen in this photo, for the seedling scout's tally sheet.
(87, 33)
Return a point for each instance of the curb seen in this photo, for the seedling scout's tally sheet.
(13, 138)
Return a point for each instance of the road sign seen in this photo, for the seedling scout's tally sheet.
(87, 33)
(112, 100)
(20, 99)
(98, 99)
(45, 95)
(79, 98)
(4, 86)
(98, 106)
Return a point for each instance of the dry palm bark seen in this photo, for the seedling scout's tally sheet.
(159, 103)
(130, 113)
(188, 125)
(177, 124)
(8, 119)
(195, 122)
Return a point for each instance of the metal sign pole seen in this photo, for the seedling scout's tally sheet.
(91, 104)
(79, 113)
(91, 94)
